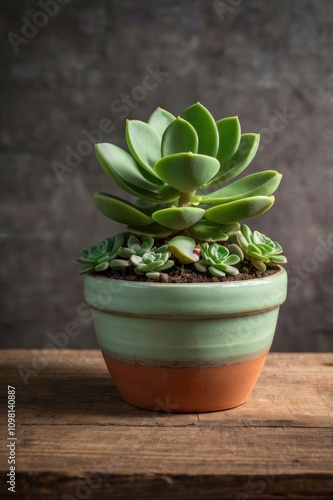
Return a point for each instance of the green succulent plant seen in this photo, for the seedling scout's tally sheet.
(153, 262)
(135, 247)
(99, 257)
(259, 249)
(218, 260)
(175, 167)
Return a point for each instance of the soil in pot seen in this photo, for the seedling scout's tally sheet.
(188, 275)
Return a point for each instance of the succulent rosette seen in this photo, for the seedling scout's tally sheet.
(218, 260)
(98, 257)
(152, 262)
(174, 165)
(260, 249)
(181, 172)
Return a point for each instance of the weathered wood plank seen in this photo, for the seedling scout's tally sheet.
(193, 450)
(73, 426)
(75, 387)
(166, 486)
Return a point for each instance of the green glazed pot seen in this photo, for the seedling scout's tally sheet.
(185, 347)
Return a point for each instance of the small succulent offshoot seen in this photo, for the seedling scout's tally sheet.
(218, 260)
(177, 169)
(152, 263)
(135, 247)
(98, 257)
(260, 249)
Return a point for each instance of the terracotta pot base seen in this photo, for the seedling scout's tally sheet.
(185, 390)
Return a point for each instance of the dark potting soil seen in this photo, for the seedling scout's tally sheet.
(187, 275)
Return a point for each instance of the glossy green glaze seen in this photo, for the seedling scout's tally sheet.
(186, 324)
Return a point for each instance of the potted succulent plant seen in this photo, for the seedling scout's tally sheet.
(186, 299)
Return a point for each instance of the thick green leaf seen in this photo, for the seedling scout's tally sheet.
(129, 188)
(265, 248)
(280, 259)
(232, 260)
(236, 250)
(160, 120)
(106, 258)
(246, 233)
(214, 271)
(210, 231)
(165, 194)
(159, 195)
(236, 211)
(253, 248)
(155, 230)
(231, 270)
(126, 186)
(182, 248)
(259, 184)
(258, 255)
(84, 262)
(229, 137)
(203, 122)
(186, 172)
(119, 264)
(247, 149)
(153, 275)
(144, 143)
(277, 247)
(178, 218)
(258, 264)
(86, 270)
(102, 266)
(179, 137)
(149, 208)
(120, 210)
(117, 162)
(167, 265)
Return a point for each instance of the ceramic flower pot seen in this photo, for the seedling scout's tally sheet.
(185, 347)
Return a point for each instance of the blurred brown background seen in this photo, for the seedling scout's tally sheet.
(73, 66)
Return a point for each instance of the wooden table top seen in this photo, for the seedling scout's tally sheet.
(76, 438)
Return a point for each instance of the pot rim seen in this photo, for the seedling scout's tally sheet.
(209, 283)
(215, 299)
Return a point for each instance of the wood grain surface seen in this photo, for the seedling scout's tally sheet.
(76, 438)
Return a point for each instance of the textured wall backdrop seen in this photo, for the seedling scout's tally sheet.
(75, 65)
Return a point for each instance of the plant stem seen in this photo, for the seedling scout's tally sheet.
(185, 199)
